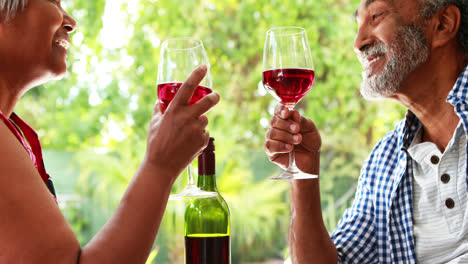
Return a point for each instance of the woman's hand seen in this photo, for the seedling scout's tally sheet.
(288, 131)
(178, 136)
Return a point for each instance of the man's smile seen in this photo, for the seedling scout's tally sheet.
(373, 63)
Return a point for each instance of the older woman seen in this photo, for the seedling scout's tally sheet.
(34, 36)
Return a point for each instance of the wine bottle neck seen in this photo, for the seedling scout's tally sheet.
(207, 183)
(207, 163)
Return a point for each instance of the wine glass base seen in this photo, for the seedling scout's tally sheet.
(191, 192)
(294, 174)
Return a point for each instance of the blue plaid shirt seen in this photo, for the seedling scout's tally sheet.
(378, 228)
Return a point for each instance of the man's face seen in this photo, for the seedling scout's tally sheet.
(389, 45)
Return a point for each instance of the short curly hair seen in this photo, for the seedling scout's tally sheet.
(430, 7)
(9, 8)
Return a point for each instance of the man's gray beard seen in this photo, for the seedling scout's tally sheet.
(406, 53)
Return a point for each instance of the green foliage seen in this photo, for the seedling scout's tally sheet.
(105, 103)
(152, 256)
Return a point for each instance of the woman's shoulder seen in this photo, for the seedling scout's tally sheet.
(10, 126)
(5, 125)
(8, 136)
(2, 116)
(27, 203)
(13, 151)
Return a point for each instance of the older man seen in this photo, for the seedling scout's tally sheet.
(410, 204)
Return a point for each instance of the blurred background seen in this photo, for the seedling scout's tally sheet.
(93, 123)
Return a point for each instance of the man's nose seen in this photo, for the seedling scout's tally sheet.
(363, 39)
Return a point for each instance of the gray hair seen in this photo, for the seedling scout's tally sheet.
(9, 8)
(430, 7)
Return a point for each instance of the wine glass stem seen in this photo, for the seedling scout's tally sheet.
(190, 180)
(292, 160)
(292, 156)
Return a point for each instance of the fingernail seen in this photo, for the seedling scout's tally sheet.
(296, 138)
(283, 113)
(293, 127)
(217, 96)
(203, 68)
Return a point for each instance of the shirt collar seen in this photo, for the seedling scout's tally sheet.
(412, 125)
(419, 150)
(459, 93)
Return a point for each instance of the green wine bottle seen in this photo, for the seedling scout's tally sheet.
(207, 221)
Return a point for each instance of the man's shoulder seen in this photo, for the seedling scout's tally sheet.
(391, 140)
(386, 154)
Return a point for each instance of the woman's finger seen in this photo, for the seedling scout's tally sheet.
(203, 121)
(157, 108)
(185, 92)
(205, 104)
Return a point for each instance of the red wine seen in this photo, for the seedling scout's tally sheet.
(207, 250)
(167, 91)
(289, 85)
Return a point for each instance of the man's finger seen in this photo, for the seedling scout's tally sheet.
(284, 124)
(185, 92)
(205, 104)
(273, 147)
(283, 136)
(307, 125)
(282, 112)
(296, 116)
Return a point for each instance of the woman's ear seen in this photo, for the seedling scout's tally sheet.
(445, 26)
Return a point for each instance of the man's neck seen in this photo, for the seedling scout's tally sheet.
(425, 93)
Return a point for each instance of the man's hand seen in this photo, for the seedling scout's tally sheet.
(288, 131)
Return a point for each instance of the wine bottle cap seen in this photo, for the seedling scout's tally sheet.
(210, 147)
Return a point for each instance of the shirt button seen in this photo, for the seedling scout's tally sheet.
(435, 160)
(445, 178)
(450, 203)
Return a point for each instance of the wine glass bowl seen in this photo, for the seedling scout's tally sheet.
(178, 58)
(167, 91)
(288, 75)
(288, 86)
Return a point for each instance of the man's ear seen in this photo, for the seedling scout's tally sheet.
(445, 25)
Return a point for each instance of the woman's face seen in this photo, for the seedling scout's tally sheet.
(35, 41)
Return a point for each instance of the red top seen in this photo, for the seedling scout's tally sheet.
(30, 141)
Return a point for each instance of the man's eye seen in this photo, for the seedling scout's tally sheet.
(375, 16)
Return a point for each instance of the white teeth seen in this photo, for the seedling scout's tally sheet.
(62, 43)
(373, 60)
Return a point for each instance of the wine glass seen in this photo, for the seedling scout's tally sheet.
(178, 58)
(288, 74)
